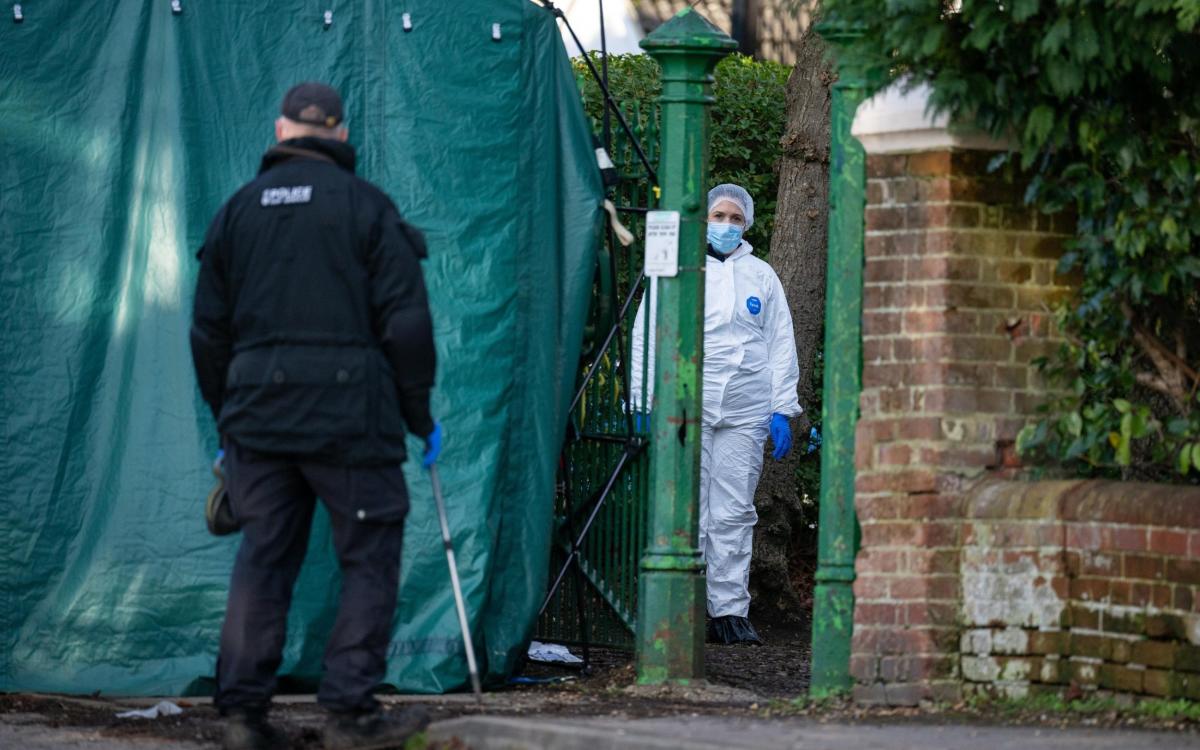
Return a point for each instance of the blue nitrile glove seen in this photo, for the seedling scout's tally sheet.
(814, 440)
(641, 421)
(781, 435)
(433, 446)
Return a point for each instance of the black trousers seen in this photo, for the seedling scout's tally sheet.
(274, 498)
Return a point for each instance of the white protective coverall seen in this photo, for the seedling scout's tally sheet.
(750, 372)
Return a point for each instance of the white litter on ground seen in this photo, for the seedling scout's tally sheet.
(553, 653)
(162, 708)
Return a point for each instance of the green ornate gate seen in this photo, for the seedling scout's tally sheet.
(601, 503)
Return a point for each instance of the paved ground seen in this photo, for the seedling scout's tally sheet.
(530, 720)
(40, 737)
(720, 733)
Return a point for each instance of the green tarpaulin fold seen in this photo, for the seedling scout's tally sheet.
(123, 127)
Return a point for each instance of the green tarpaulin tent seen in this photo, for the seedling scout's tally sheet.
(123, 127)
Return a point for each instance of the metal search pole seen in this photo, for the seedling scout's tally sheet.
(472, 667)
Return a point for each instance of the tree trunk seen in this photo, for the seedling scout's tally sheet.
(798, 250)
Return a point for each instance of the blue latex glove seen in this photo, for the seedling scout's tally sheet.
(781, 435)
(433, 446)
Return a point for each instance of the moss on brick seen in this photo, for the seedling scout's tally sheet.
(1130, 624)
(1155, 653)
(1121, 678)
(1187, 658)
(1166, 625)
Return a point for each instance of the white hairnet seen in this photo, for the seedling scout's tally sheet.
(736, 195)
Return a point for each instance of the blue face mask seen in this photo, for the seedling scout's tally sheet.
(723, 236)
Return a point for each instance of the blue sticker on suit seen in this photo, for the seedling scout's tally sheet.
(754, 305)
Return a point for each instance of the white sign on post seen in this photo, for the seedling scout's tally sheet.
(662, 243)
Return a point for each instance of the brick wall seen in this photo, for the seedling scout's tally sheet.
(1090, 584)
(959, 278)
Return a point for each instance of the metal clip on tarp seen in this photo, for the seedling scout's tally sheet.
(406, 21)
(328, 18)
(176, 7)
(18, 14)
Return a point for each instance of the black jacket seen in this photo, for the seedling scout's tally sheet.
(311, 334)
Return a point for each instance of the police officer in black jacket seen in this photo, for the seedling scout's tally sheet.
(313, 345)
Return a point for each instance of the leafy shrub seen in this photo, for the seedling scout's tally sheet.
(748, 120)
(1100, 97)
(749, 115)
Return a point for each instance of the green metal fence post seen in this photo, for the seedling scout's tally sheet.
(837, 544)
(670, 638)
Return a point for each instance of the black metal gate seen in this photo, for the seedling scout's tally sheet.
(601, 504)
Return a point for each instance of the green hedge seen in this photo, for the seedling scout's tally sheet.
(749, 117)
(1101, 96)
(748, 121)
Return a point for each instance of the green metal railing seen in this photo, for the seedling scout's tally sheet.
(604, 468)
(609, 530)
(628, 511)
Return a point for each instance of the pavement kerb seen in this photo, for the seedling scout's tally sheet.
(502, 733)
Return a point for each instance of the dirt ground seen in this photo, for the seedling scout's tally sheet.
(778, 673)
(778, 669)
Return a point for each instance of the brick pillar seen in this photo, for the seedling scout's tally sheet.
(958, 280)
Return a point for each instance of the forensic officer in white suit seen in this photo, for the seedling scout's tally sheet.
(750, 379)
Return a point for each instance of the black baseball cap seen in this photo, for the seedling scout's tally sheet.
(313, 103)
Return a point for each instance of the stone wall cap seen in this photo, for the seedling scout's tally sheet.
(897, 120)
(1087, 501)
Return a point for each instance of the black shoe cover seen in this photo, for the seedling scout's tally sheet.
(732, 629)
(250, 731)
(376, 730)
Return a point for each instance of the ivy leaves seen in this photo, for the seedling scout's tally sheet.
(1100, 98)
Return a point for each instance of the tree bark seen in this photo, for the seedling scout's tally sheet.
(798, 251)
